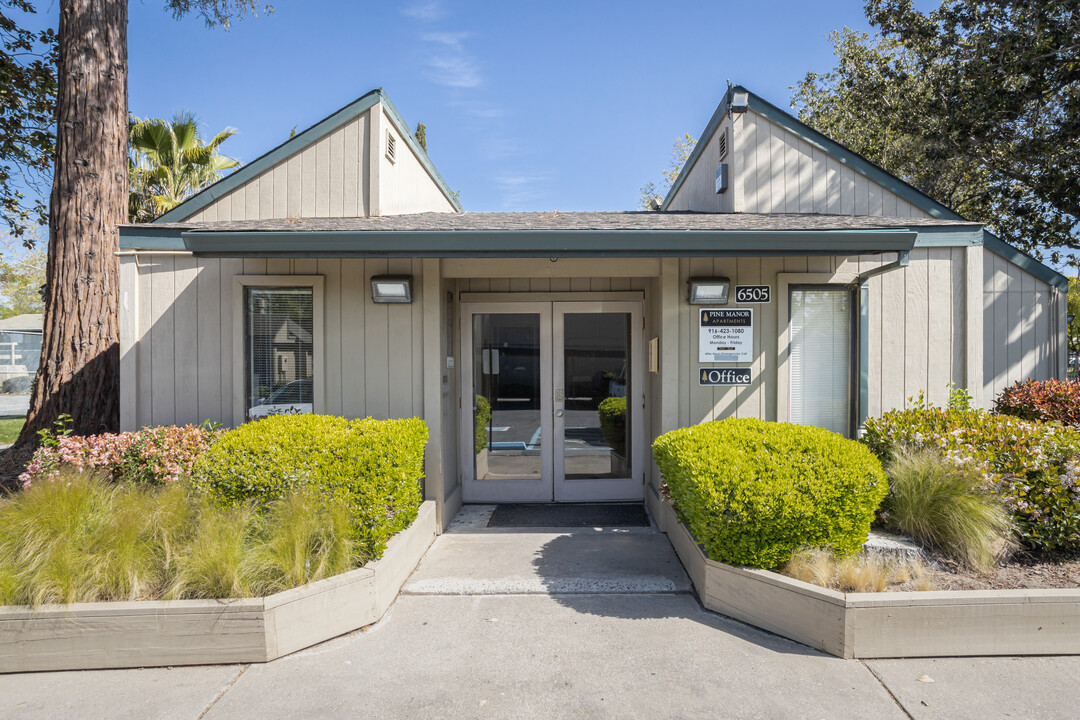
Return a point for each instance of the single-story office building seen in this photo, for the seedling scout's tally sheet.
(784, 277)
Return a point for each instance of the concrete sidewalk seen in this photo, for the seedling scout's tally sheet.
(551, 624)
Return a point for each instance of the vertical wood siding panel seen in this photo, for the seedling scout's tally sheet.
(1043, 365)
(600, 284)
(417, 383)
(560, 284)
(322, 177)
(306, 266)
(873, 198)
(350, 191)
(163, 319)
(278, 266)
(915, 323)
(186, 311)
(888, 204)
(307, 182)
(237, 207)
(770, 267)
(503, 285)
(254, 266)
(335, 192)
(229, 269)
(522, 284)
(790, 177)
(862, 195)
(539, 284)
(281, 191)
(252, 198)
(294, 199)
(577, 284)
(208, 359)
(939, 310)
(777, 169)
(330, 269)
(145, 359)
(847, 191)
(354, 292)
(818, 264)
(806, 177)
(399, 348)
(1000, 350)
(1028, 345)
(834, 190)
(743, 162)
(958, 284)
(763, 167)
(820, 179)
(750, 400)
(376, 348)
(724, 399)
(685, 344)
(620, 284)
(266, 195)
(989, 339)
(893, 325)
(1016, 322)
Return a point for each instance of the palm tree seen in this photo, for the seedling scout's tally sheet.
(168, 162)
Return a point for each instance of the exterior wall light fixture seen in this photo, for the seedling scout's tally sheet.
(391, 289)
(708, 291)
(740, 102)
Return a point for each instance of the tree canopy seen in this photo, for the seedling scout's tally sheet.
(168, 162)
(651, 193)
(976, 104)
(27, 103)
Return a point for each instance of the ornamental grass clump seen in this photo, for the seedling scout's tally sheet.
(857, 573)
(752, 492)
(947, 507)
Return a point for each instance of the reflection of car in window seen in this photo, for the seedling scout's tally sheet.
(294, 397)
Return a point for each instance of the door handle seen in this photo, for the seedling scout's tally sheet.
(559, 413)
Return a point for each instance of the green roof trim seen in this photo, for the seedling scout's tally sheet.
(524, 243)
(842, 154)
(295, 144)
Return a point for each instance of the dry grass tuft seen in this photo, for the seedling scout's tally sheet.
(857, 573)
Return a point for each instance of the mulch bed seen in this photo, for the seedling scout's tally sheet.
(1027, 571)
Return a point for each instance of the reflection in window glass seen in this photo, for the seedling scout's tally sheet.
(278, 350)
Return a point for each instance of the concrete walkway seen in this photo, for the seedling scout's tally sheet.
(595, 623)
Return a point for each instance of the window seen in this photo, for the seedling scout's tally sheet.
(821, 357)
(279, 350)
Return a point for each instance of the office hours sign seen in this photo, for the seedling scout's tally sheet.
(726, 335)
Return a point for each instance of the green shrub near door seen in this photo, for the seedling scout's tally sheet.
(375, 466)
(483, 419)
(613, 423)
(752, 491)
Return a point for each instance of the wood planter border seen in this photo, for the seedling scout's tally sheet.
(85, 636)
(881, 625)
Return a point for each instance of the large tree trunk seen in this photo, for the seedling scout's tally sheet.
(79, 372)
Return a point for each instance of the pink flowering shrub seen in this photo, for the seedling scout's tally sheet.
(1034, 467)
(152, 455)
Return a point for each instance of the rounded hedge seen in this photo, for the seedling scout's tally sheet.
(752, 492)
(375, 466)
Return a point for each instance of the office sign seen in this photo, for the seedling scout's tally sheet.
(726, 335)
(753, 293)
(723, 376)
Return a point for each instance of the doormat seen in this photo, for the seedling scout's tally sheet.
(568, 516)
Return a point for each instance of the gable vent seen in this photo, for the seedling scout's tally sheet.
(723, 144)
(391, 146)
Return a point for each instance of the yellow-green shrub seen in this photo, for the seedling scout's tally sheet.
(752, 492)
(375, 466)
(613, 423)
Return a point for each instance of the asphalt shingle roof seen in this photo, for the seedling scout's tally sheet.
(533, 221)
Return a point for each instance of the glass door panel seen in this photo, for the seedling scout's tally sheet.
(596, 378)
(598, 398)
(506, 405)
(506, 379)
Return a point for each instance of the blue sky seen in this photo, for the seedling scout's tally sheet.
(529, 106)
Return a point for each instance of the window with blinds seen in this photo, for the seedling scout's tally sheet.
(279, 348)
(821, 357)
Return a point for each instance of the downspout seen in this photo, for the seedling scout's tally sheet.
(862, 283)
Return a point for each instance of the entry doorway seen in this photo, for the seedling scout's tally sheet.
(552, 398)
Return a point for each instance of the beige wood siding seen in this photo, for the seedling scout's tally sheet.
(1023, 320)
(405, 186)
(327, 178)
(178, 353)
(772, 170)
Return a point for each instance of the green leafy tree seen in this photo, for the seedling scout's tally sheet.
(651, 193)
(80, 363)
(976, 104)
(1074, 312)
(168, 162)
(27, 104)
(421, 135)
(21, 280)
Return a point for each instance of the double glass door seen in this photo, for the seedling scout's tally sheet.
(551, 404)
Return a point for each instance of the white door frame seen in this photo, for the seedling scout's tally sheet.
(599, 489)
(552, 486)
(495, 491)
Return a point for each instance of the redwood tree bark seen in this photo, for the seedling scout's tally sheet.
(79, 372)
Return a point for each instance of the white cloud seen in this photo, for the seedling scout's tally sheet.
(426, 12)
(450, 64)
(523, 188)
